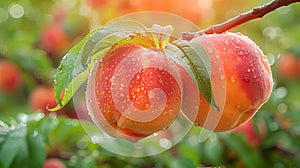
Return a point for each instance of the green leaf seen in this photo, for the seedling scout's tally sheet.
(182, 162)
(79, 59)
(197, 63)
(248, 154)
(67, 66)
(21, 146)
(12, 145)
(36, 148)
(189, 152)
(213, 150)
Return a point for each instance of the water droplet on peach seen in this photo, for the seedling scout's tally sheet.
(232, 79)
(210, 50)
(246, 79)
(226, 42)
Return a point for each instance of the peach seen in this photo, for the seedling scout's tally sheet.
(10, 78)
(42, 98)
(53, 163)
(288, 66)
(241, 80)
(97, 3)
(54, 40)
(248, 130)
(134, 92)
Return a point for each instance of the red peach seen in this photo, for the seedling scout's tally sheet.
(10, 77)
(42, 98)
(54, 40)
(248, 130)
(288, 66)
(53, 163)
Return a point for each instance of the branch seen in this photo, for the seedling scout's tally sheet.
(255, 13)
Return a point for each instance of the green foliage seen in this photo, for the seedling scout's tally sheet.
(20, 144)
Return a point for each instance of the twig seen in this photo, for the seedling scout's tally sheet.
(255, 13)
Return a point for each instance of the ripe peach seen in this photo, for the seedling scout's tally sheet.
(54, 40)
(248, 130)
(241, 80)
(53, 163)
(288, 66)
(42, 98)
(134, 92)
(10, 78)
(97, 3)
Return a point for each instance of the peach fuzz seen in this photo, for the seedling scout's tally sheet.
(241, 80)
(136, 90)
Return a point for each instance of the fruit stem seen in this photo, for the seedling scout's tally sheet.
(255, 13)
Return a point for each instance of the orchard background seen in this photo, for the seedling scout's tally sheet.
(34, 35)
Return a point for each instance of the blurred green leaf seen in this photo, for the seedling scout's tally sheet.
(182, 162)
(189, 152)
(36, 148)
(12, 145)
(249, 155)
(213, 150)
(19, 146)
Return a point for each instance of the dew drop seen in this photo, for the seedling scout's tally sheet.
(246, 79)
(210, 50)
(147, 106)
(248, 70)
(226, 42)
(237, 41)
(151, 94)
(232, 79)
(222, 77)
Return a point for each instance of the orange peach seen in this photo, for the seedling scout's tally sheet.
(241, 80)
(134, 92)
